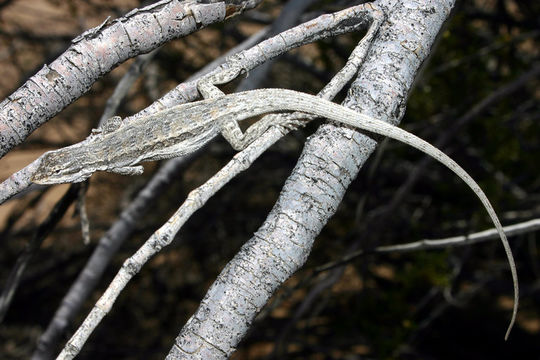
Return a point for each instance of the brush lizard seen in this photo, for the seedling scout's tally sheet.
(182, 129)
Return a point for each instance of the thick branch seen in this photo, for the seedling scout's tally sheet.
(330, 161)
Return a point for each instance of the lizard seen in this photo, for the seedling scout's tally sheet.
(120, 147)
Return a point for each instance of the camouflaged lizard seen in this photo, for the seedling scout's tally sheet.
(182, 129)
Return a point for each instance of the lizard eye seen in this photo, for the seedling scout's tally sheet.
(57, 171)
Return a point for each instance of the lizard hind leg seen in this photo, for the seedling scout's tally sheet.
(233, 134)
(240, 140)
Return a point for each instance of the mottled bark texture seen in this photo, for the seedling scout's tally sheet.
(330, 161)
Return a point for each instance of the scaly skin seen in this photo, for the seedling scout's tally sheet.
(182, 129)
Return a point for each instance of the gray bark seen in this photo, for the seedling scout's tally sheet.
(95, 53)
(330, 161)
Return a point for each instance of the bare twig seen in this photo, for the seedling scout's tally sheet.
(428, 244)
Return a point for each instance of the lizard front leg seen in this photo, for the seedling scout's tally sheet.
(127, 170)
(207, 85)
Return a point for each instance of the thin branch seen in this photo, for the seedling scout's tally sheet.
(288, 17)
(328, 25)
(428, 244)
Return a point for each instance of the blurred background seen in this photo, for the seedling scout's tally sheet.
(477, 96)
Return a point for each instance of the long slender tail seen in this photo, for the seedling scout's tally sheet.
(288, 100)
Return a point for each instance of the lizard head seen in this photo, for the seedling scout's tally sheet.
(57, 167)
